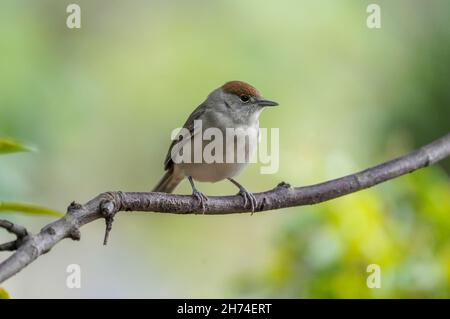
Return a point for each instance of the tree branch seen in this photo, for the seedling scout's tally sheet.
(20, 232)
(106, 205)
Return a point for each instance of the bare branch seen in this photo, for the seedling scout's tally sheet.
(20, 232)
(106, 205)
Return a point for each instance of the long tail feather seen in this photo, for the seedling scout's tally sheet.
(168, 182)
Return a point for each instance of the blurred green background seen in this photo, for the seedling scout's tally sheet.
(100, 102)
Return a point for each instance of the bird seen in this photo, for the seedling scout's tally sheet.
(235, 105)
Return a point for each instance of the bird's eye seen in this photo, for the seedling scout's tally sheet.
(245, 98)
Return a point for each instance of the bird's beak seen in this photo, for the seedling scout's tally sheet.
(264, 102)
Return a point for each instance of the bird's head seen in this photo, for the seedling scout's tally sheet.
(238, 100)
(239, 94)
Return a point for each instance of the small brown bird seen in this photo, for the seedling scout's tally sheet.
(235, 105)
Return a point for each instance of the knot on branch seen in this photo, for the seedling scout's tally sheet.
(283, 185)
(74, 206)
(49, 230)
(75, 233)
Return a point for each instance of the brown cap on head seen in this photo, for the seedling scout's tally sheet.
(240, 88)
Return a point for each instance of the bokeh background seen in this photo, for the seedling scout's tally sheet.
(100, 102)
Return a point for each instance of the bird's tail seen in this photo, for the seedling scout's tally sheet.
(168, 182)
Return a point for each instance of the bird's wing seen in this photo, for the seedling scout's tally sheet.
(195, 115)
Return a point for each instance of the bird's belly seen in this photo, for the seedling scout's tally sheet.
(212, 172)
(234, 156)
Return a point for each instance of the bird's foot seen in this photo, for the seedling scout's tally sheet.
(202, 198)
(249, 198)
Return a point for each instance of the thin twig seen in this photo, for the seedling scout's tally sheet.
(20, 232)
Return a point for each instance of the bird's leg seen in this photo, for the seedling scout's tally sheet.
(198, 195)
(246, 195)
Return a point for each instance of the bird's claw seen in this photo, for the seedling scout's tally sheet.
(202, 198)
(248, 198)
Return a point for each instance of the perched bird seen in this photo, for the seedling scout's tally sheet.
(235, 105)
